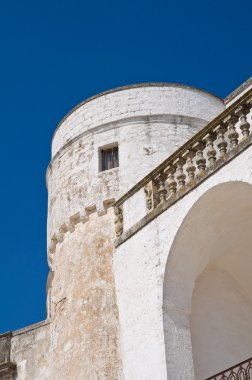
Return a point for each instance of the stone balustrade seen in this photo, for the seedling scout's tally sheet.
(211, 148)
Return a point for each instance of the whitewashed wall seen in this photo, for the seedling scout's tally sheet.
(220, 321)
(135, 101)
(148, 123)
(153, 257)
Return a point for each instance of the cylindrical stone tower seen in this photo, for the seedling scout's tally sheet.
(99, 150)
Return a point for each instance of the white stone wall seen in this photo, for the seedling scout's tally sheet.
(148, 123)
(140, 264)
(134, 209)
(220, 318)
(135, 101)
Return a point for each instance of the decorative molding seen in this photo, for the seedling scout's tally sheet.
(216, 122)
(158, 118)
(229, 133)
(75, 219)
(118, 220)
(129, 87)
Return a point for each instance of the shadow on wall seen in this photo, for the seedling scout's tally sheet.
(208, 285)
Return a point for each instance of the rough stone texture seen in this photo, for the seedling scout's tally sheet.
(88, 338)
(155, 271)
(30, 349)
(82, 339)
(8, 371)
(5, 344)
(84, 329)
(148, 123)
(7, 368)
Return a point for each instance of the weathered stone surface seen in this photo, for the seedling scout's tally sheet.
(5, 345)
(136, 101)
(7, 368)
(85, 336)
(84, 331)
(8, 371)
(30, 350)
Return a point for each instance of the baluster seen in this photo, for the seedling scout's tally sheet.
(249, 103)
(172, 184)
(189, 155)
(179, 164)
(118, 220)
(161, 187)
(242, 112)
(230, 122)
(200, 160)
(222, 144)
(211, 152)
(148, 189)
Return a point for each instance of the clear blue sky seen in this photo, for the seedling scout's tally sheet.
(55, 54)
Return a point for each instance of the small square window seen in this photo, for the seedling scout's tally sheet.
(109, 158)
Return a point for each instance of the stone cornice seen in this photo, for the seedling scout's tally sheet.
(129, 87)
(158, 118)
(27, 329)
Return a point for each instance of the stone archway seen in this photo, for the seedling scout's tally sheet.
(207, 299)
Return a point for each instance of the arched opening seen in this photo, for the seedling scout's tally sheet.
(207, 309)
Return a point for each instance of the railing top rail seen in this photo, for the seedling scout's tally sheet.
(229, 369)
(197, 137)
(242, 88)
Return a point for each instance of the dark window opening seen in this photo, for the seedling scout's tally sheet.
(109, 158)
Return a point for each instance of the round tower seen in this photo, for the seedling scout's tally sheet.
(99, 151)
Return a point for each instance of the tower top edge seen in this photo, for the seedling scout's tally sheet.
(129, 87)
